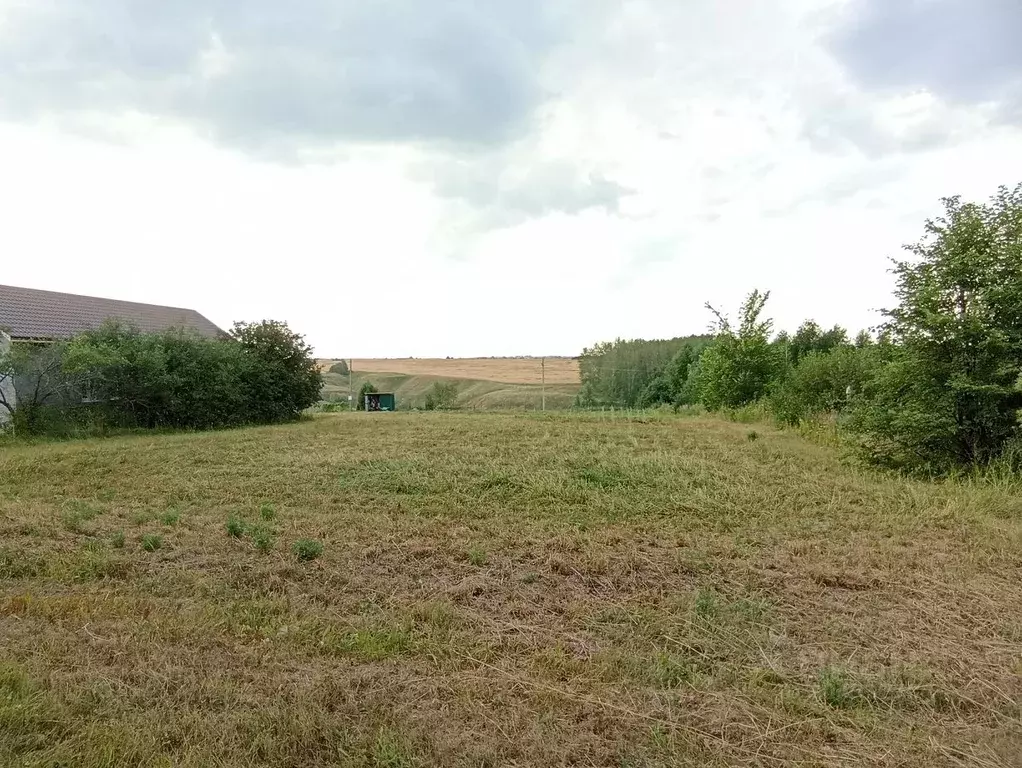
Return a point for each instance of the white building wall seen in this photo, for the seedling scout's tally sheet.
(6, 383)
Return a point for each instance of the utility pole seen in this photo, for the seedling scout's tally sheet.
(543, 397)
(351, 373)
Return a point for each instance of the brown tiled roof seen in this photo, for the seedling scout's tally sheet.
(30, 314)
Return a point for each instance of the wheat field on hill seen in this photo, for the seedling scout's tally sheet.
(508, 370)
(411, 590)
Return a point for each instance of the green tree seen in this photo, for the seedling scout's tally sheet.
(804, 341)
(442, 396)
(951, 395)
(741, 363)
(169, 379)
(668, 386)
(691, 391)
(618, 373)
(863, 339)
(263, 373)
(8, 371)
(835, 338)
(367, 388)
(284, 378)
(823, 382)
(658, 392)
(37, 370)
(811, 338)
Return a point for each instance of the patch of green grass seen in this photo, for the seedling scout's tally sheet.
(151, 542)
(837, 690)
(117, 540)
(18, 564)
(235, 527)
(399, 477)
(905, 689)
(14, 683)
(372, 644)
(96, 565)
(390, 750)
(307, 549)
(477, 556)
(260, 615)
(76, 514)
(85, 510)
(267, 512)
(501, 484)
(669, 671)
(262, 538)
(28, 720)
(171, 516)
(671, 747)
(436, 615)
(72, 522)
(706, 605)
(603, 478)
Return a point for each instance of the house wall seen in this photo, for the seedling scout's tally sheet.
(6, 382)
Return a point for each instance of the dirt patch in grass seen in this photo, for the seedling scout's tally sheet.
(467, 590)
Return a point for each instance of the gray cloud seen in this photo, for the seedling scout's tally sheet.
(837, 123)
(298, 81)
(963, 51)
(529, 188)
(850, 184)
(503, 188)
(265, 72)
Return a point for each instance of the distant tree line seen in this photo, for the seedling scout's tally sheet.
(637, 373)
(935, 389)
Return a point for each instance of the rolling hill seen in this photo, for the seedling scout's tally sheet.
(483, 383)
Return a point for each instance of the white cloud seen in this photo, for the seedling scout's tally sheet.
(570, 176)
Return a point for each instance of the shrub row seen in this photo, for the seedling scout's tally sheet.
(117, 376)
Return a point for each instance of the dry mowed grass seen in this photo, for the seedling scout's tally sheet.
(500, 590)
(510, 370)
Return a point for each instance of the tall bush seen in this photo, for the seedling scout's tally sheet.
(31, 382)
(442, 396)
(283, 377)
(619, 373)
(177, 379)
(739, 366)
(810, 338)
(367, 388)
(669, 386)
(824, 382)
(951, 395)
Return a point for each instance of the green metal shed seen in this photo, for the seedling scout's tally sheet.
(380, 401)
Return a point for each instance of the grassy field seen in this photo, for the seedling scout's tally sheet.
(473, 394)
(489, 590)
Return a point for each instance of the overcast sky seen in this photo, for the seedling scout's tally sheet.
(494, 177)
